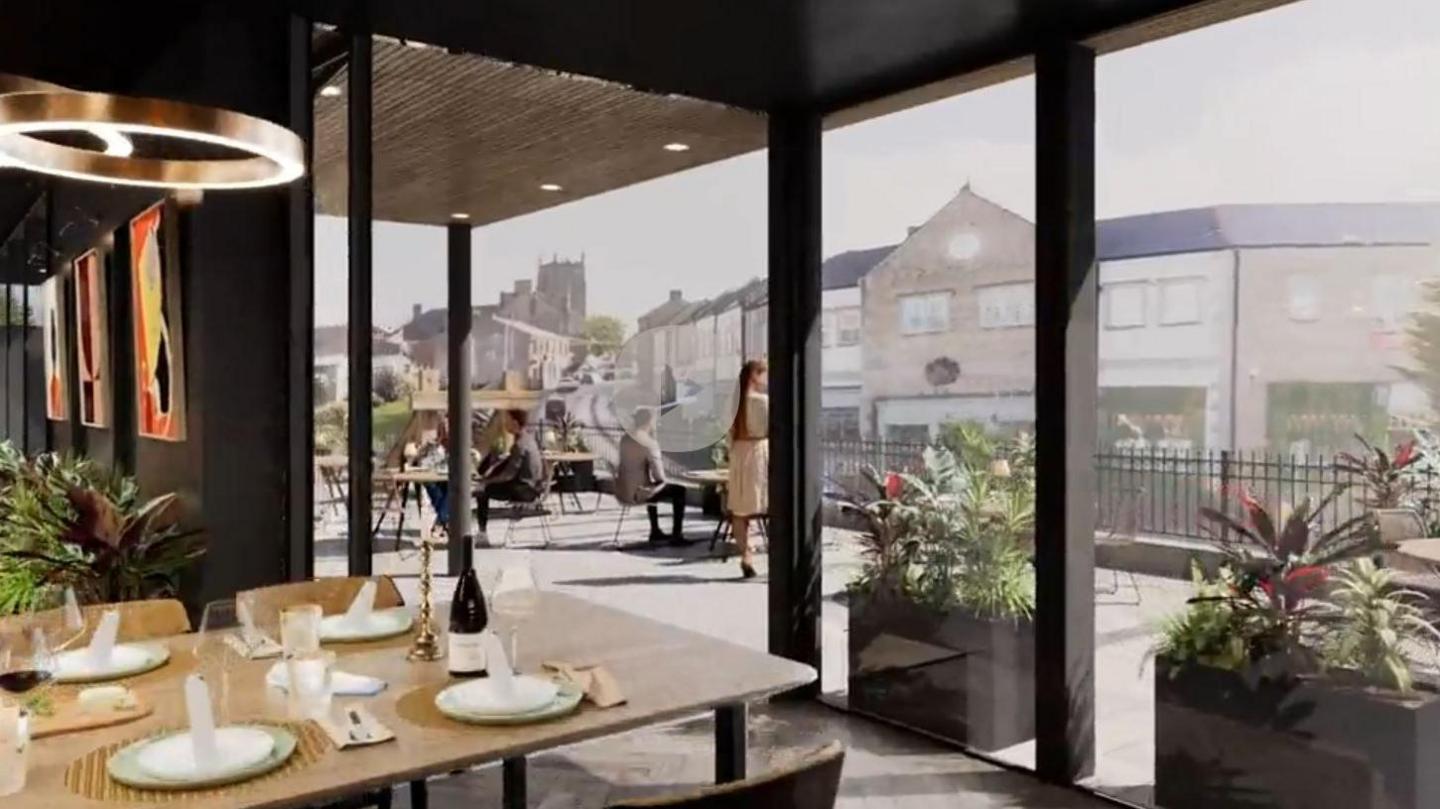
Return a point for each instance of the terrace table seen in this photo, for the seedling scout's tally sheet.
(666, 673)
(564, 462)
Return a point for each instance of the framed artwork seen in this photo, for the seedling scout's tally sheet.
(155, 311)
(54, 343)
(92, 348)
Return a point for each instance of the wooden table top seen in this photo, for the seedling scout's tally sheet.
(665, 672)
(416, 476)
(710, 476)
(570, 457)
(332, 461)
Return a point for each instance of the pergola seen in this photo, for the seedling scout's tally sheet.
(455, 112)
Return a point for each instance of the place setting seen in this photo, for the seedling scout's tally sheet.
(36, 656)
(361, 622)
(488, 687)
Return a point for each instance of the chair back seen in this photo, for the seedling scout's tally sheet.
(810, 783)
(139, 620)
(333, 595)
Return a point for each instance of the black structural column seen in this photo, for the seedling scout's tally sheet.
(301, 563)
(1066, 300)
(361, 292)
(458, 361)
(794, 319)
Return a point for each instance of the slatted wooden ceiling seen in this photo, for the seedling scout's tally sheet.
(460, 133)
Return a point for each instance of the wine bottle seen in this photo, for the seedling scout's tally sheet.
(468, 618)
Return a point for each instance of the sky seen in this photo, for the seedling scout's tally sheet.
(1318, 101)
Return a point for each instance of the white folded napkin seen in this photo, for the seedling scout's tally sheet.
(497, 662)
(202, 724)
(342, 683)
(362, 606)
(358, 728)
(102, 643)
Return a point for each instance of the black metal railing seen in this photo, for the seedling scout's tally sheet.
(1153, 492)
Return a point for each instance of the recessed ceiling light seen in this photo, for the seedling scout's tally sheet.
(459, 216)
(677, 147)
(330, 90)
(549, 187)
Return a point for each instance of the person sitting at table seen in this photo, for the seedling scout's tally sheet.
(641, 477)
(430, 456)
(518, 478)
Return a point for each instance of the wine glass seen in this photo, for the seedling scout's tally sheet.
(219, 646)
(29, 643)
(516, 599)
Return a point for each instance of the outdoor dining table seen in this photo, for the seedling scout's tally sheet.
(665, 672)
(564, 463)
(717, 478)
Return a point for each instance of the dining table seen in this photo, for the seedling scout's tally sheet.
(665, 673)
(563, 462)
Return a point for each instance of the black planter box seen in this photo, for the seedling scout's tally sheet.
(952, 674)
(1223, 743)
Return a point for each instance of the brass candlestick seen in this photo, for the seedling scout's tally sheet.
(426, 647)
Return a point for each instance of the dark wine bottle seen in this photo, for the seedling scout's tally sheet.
(468, 618)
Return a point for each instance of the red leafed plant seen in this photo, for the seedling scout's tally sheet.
(1387, 484)
(1280, 572)
(67, 522)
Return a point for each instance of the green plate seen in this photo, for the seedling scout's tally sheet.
(564, 704)
(139, 658)
(123, 767)
(383, 624)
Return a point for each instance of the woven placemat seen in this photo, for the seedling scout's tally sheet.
(86, 776)
(417, 706)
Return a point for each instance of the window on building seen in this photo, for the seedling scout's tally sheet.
(926, 312)
(848, 326)
(827, 329)
(1180, 301)
(1302, 297)
(1007, 305)
(1125, 306)
(908, 433)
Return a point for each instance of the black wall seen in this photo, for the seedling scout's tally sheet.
(234, 254)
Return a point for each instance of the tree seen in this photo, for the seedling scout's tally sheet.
(389, 385)
(600, 335)
(13, 311)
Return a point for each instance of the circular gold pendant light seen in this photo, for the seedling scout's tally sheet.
(273, 155)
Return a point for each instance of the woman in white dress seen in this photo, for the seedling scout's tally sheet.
(748, 491)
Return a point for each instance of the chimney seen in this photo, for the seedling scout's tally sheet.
(524, 287)
(415, 311)
(676, 295)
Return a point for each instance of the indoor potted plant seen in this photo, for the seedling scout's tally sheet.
(1287, 680)
(941, 636)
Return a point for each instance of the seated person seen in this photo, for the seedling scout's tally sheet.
(641, 477)
(518, 478)
(430, 456)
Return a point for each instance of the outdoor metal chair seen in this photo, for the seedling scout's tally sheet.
(810, 783)
(1124, 531)
(521, 510)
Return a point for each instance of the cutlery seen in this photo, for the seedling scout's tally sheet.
(357, 724)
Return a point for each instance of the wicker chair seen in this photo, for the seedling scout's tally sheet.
(139, 620)
(333, 595)
(810, 783)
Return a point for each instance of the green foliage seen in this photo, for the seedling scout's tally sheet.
(1374, 623)
(600, 335)
(1280, 567)
(332, 428)
(13, 311)
(954, 535)
(1204, 632)
(570, 433)
(66, 521)
(390, 385)
(1388, 483)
